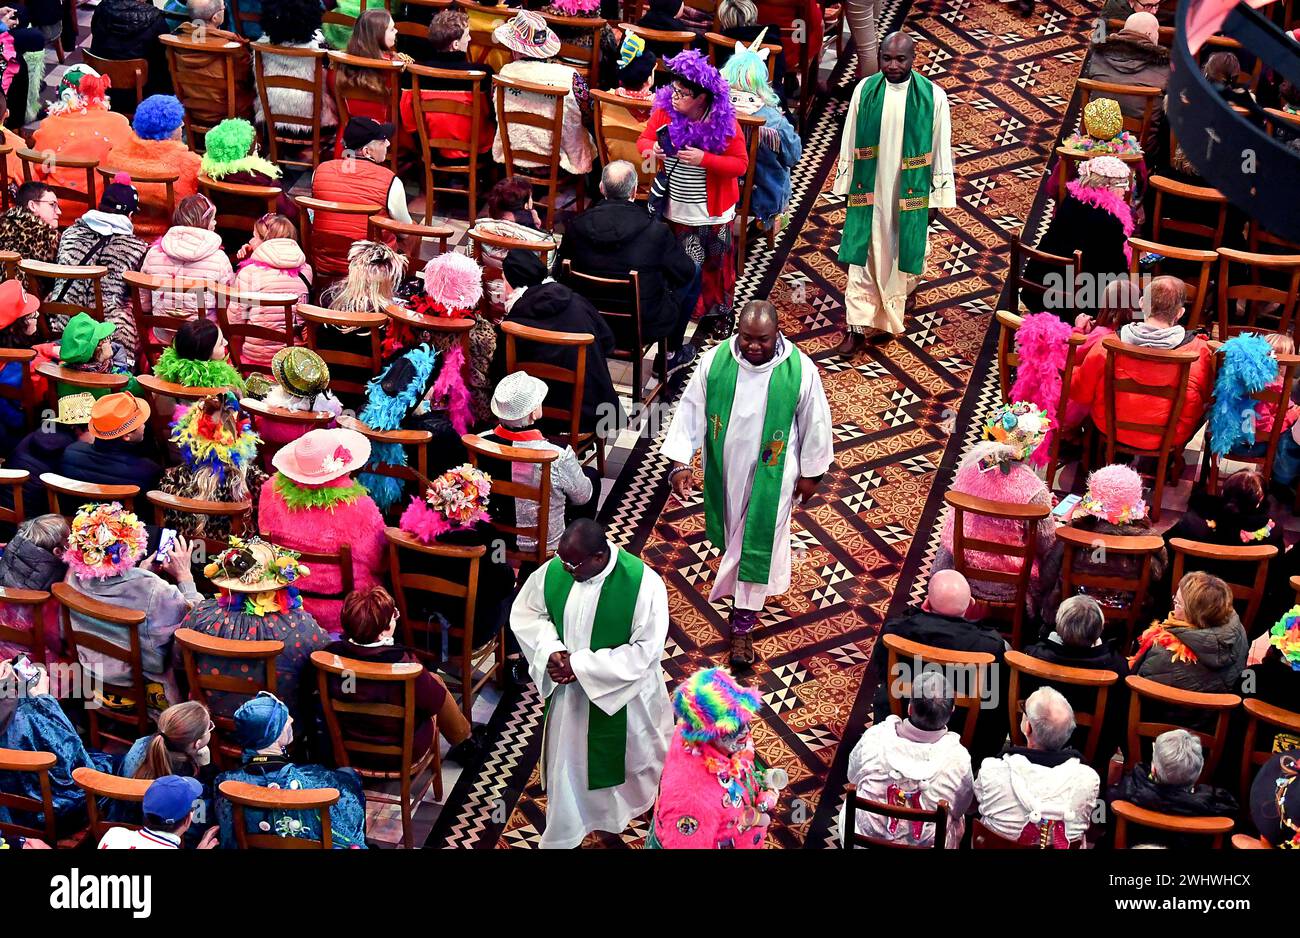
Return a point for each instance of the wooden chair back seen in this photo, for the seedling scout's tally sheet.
(203, 90)
(750, 127)
(721, 48)
(1143, 690)
(1026, 669)
(136, 718)
(31, 640)
(359, 368)
(898, 815)
(256, 660)
(40, 166)
(243, 796)
(1031, 292)
(1073, 580)
(582, 58)
(327, 249)
(22, 394)
(94, 382)
(1166, 220)
(968, 697)
(410, 237)
(341, 558)
(144, 183)
(542, 168)
(1256, 295)
(30, 763)
(1251, 559)
(1067, 163)
(389, 74)
(416, 470)
(614, 118)
(239, 513)
(1280, 399)
(1126, 813)
(505, 487)
(99, 785)
(308, 419)
(1198, 262)
(468, 103)
(1270, 716)
(1025, 518)
(58, 488)
(618, 300)
(280, 140)
(52, 302)
(130, 74)
(493, 307)
(1148, 96)
(239, 206)
(556, 376)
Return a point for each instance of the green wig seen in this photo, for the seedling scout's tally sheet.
(229, 150)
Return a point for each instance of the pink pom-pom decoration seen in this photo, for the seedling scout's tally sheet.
(455, 281)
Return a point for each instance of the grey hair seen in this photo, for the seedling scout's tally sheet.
(733, 13)
(1079, 621)
(204, 10)
(1051, 717)
(930, 705)
(47, 532)
(1176, 758)
(618, 180)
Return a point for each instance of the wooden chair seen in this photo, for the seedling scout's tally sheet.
(1201, 266)
(123, 73)
(1009, 361)
(1070, 273)
(462, 633)
(584, 59)
(718, 42)
(493, 307)
(49, 163)
(361, 367)
(410, 237)
(1138, 126)
(240, 18)
(1025, 515)
(468, 104)
(23, 394)
(1174, 390)
(239, 206)
(1143, 547)
(419, 29)
(978, 665)
(144, 183)
(9, 259)
(1041, 673)
(614, 119)
(31, 640)
(805, 65)
(575, 378)
(505, 487)
(30, 763)
(13, 480)
(1257, 712)
(1253, 558)
(238, 333)
(309, 419)
(1068, 160)
(408, 765)
(1288, 365)
(341, 558)
(194, 64)
(541, 168)
(1164, 696)
(256, 660)
(1246, 842)
(482, 46)
(94, 382)
(156, 388)
(389, 73)
(327, 251)
(136, 718)
(417, 440)
(749, 127)
(1127, 813)
(618, 300)
(660, 40)
(94, 273)
(1256, 294)
(58, 487)
(239, 513)
(854, 803)
(1165, 221)
(278, 138)
(243, 796)
(99, 785)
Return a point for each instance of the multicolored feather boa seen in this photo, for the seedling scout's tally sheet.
(1159, 634)
(196, 374)
(205, 443)
(1042, 341)
(272, 602)
(1249, 366)
(301, 497)
(1110, 202)
(386, 412)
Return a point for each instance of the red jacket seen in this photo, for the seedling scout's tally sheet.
(722, 170)
(1088, 387)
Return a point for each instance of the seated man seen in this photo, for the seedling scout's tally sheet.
(115, 454)
(1169, 785)
(31, 227)
(1039, 793)
(915, 763)
(362, 175)
(129, 29)
(168, 813)
(616, 236)
(1163, 303)
(942, 621)
(205, 100)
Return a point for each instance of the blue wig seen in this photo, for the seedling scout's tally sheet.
(1248, 366)
(157, 117)
(385, 411)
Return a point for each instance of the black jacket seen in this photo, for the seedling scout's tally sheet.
(37, 452)
(129, 29)
(612, 238)
(554, 306)
(1095, 232)
(1101, 657)
(111, 462)
(26, 566)
(1139, 788)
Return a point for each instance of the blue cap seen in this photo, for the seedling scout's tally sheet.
(171, 797)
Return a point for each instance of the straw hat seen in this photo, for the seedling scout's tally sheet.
(528, 34)
(254, 566)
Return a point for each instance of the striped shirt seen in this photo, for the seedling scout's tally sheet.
(688, 196)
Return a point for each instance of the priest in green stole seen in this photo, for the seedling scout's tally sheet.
(756, 407)
(591, 623)
(895, 172)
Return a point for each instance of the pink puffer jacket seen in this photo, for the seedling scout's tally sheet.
(276, 266)
(192, 254)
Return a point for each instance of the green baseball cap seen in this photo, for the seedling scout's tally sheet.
(81, 336)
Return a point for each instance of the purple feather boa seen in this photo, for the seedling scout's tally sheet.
(714, 131)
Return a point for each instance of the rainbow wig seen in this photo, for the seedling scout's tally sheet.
(215, 434)
(746, 71)
(714, 131)
(105, 540)
(710, 704)
(158, 117)
(1285, 637)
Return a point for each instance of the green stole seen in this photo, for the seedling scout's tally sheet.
(913, 180)
(606, 733)
(765, 491)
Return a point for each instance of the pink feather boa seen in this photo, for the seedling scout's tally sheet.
(1042, 341)
(428, 525)
(450, 386)
(1109, 202)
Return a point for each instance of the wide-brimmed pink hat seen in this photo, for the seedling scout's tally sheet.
(321, 456)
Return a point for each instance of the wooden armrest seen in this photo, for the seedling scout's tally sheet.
(197, 505)
(1271, 714)
(437, 323)
(146, 178)
(155, 385)
(1181, 698)
(411, 228)
(73, 271)
(88, 489)
(329, 317)
(1246, 842)
(1171, 822)
(1186, 191)
(1119, 543)
(460, 552)
(1230, 552)
(1058, 672)
(1010, 320)
(19, 597)
(23, 355)
(14, 476)
(21, 760)
(61, 162)
(908, 647)
(402, 437)
(255, 796)
(86, 379)
(347, 208)
(111, 786)
(94, 608)
(509, 453)
(241, 189)
(1260, 260)
(262, 409)
(984, 506)
(200, 643)
(366, 670)
(546, 336)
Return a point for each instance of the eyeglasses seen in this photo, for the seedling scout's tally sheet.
(54, 202)
(679, 92)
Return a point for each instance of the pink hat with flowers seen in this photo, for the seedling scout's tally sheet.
(321, 456)
(1114, 495)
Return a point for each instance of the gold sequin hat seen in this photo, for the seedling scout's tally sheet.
(1102, 119)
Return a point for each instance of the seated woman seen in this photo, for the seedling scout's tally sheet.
(190, 250)
(1113, 505)
(271, 262)
(180, 747)
(374, 275)
(264, 728)
(312, 503)
(998, 470)
(454, 511)
(508, 212)
(302, 383)
(779, 146)
(157, 146)
(293, 24)
(104, 546)
(374, 36)
(1094, 219)
(369, 627)
(18, 322)
(1119, 305)
(33, 560)
(31, 720)
(218, 464)
(198, 358)
(258, 601)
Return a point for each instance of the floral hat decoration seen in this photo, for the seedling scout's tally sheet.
(1285, 637)
(454, 501)
(207, 440)
(105, 540)
(1103, 131)
(256, 567)
(1019, 427)
(1114, 495)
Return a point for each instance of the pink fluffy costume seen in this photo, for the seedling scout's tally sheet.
(711, 796)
